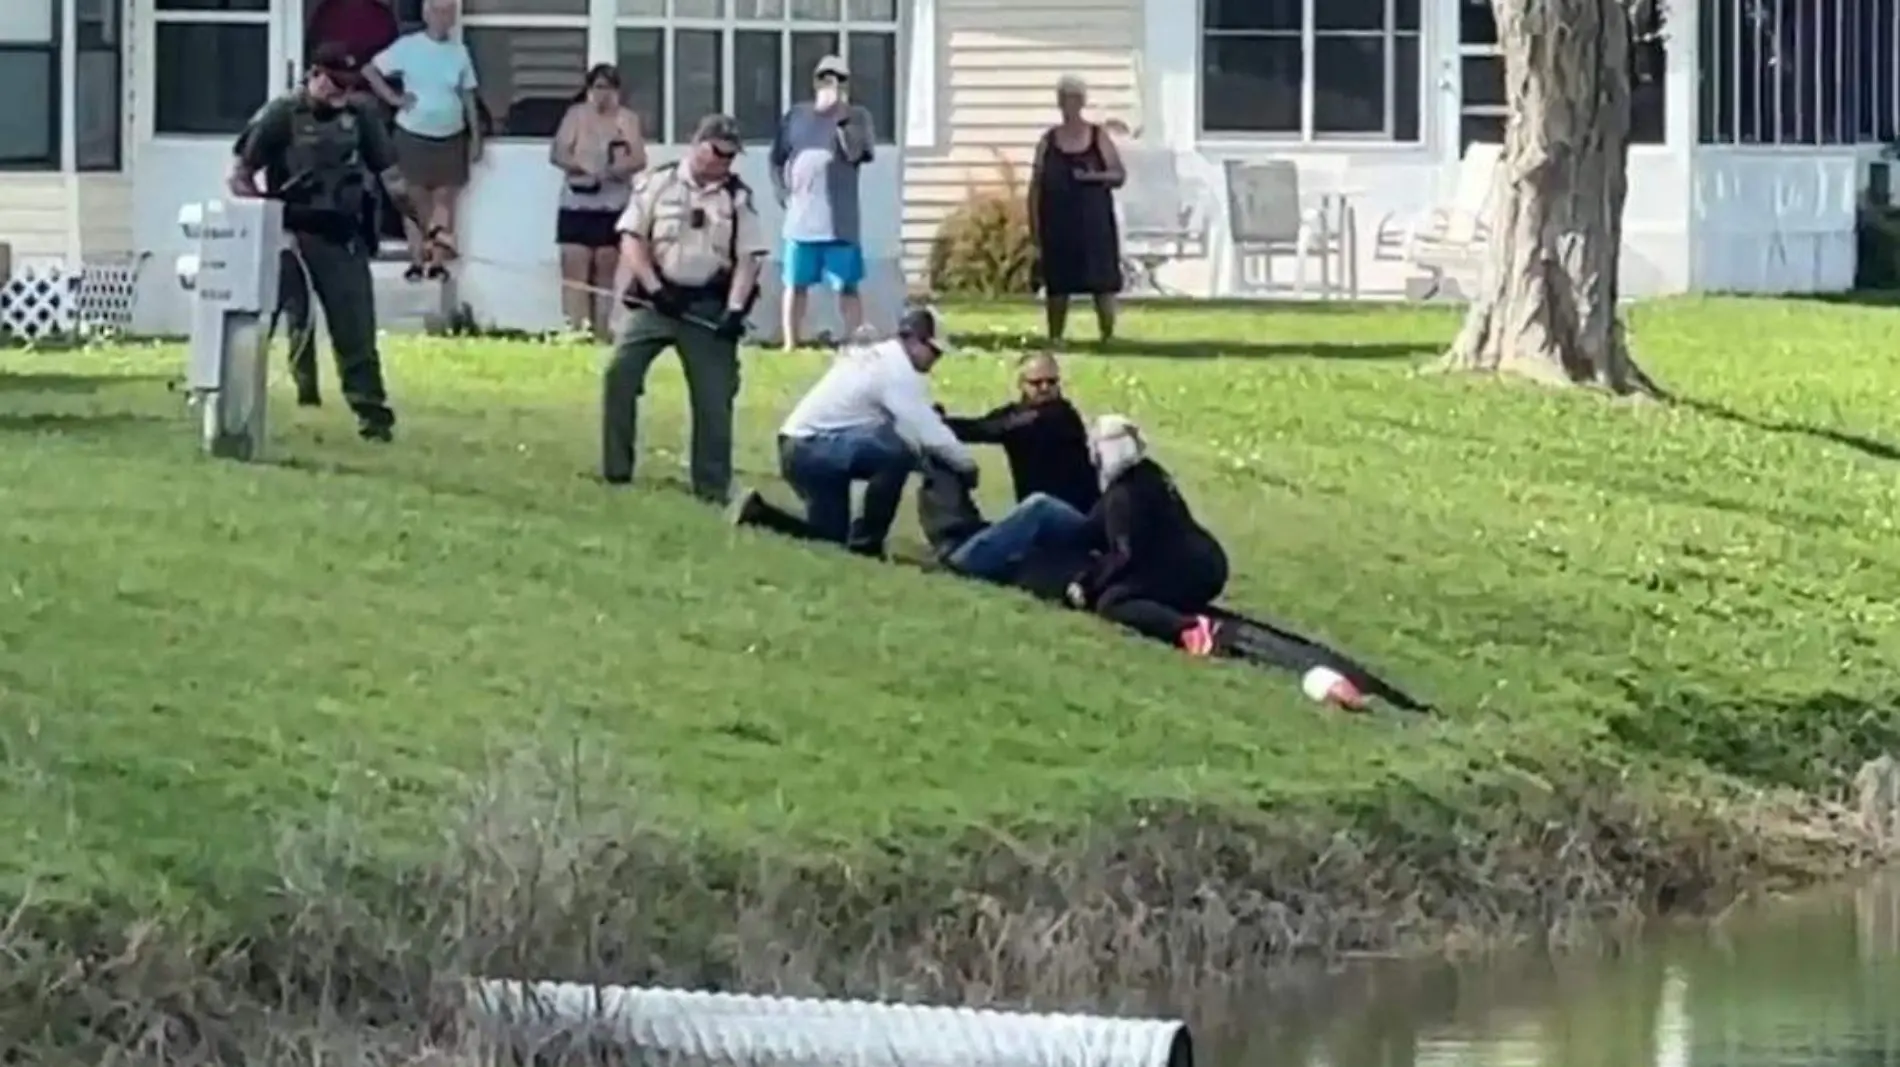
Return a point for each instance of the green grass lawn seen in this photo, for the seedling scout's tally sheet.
(195, 655)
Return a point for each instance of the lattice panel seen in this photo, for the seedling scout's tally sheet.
(42, 301)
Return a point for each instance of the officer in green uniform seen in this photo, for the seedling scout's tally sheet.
(690, 246)
(321, 154)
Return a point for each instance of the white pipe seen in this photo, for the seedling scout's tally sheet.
(69, 134)
(729, 1029)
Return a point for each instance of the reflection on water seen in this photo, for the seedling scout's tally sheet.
(1807, 984)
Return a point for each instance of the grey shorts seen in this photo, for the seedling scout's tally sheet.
(432, 162)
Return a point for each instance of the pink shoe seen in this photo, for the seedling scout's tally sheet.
(1198, 638)
(1327, 686)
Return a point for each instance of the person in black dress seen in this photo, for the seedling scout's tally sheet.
(1072, 213)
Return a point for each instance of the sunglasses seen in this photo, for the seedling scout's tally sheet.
(723, 152)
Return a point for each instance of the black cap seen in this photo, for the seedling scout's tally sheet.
(334, 57)
(920, 325)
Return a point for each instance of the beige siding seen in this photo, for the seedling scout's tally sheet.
(34, 211)
(1000, 62)
(33, 215)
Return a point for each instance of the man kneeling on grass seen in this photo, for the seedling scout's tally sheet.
(869, 419)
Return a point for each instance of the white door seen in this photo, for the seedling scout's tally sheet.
(289, 18)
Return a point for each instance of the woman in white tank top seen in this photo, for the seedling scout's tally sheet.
(599, 148)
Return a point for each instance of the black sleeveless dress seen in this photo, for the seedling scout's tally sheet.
(1081, 244)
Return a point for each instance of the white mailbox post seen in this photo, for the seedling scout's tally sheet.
(232, 276)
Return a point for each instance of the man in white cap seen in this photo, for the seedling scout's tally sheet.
(814, 163)
(869, 419)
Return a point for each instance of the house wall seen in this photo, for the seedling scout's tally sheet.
(1390, 185)
(997, 66)
(35, 207)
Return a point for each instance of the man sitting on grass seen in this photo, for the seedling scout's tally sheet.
(867, 420)
(1042, 435)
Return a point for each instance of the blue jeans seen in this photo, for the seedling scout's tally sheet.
(820, 470)
(1039, 521)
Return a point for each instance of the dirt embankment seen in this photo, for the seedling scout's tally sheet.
(348, 960)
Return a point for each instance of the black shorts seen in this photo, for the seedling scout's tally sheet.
(587, 229)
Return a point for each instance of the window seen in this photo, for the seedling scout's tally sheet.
(1482, 107)
(97, 90)
(29, 83)
(751, 59)
(211, 64)
(1804, 72)
(529, 58)
(1311, 69)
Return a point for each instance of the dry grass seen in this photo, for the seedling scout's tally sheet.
(1171, 910)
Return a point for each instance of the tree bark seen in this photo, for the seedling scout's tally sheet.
(1546, 304)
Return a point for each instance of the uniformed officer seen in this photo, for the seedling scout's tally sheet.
(690, 246)
(321, 154)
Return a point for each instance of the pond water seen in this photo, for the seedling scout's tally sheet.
(1802, 983)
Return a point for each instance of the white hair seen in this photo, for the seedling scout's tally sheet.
(1071, 83)
(1116, 444)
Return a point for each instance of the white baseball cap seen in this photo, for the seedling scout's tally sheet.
(833, 66)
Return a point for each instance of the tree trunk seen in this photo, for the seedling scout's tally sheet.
(1546, 305)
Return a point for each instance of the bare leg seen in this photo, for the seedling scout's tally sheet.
(1105, 315)
(606, 260)
(1056, 308)
(851, 310)
(418, 246)
(792, 316)
(443, 218)
(576, 302)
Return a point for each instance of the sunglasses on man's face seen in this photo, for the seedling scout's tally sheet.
(723, 151)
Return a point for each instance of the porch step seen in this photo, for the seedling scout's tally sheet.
(409, 307)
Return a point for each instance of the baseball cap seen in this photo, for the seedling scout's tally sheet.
(334, 57)
(721, 128)
(920, 325)
(834, 66)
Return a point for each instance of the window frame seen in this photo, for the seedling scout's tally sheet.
(889, 131)
(1865, 105)
(112, 44)
(1309, 35)
(602, 25)
(531, 23)
(52, 161)
(145, 108)
(50, 49)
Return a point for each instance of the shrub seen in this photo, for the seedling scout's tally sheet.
(984, 248)
(1877, 263)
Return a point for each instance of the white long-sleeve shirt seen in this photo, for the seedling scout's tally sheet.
(876, 385)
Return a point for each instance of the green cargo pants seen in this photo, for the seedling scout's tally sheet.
(338, 272)
(712, 386)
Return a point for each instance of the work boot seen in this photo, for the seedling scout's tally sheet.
(381, 433)
(746, 508)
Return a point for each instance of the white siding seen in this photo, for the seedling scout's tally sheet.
(997, 94)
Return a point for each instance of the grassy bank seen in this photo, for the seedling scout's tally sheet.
(237, 695)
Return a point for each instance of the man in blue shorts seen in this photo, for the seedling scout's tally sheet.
(815, 160)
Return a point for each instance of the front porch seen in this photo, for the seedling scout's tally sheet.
(210, 63)
(1744, 176)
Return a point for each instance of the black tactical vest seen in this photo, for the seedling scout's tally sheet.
(329, 187)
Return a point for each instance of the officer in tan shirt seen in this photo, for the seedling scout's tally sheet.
(690, 246)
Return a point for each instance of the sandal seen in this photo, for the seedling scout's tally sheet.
(414, 273)
(436, 272)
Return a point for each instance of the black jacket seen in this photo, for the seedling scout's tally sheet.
(1151, 536)
(1047, 446)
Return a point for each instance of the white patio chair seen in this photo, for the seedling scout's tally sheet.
(1267, 219)
(1452, 239)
